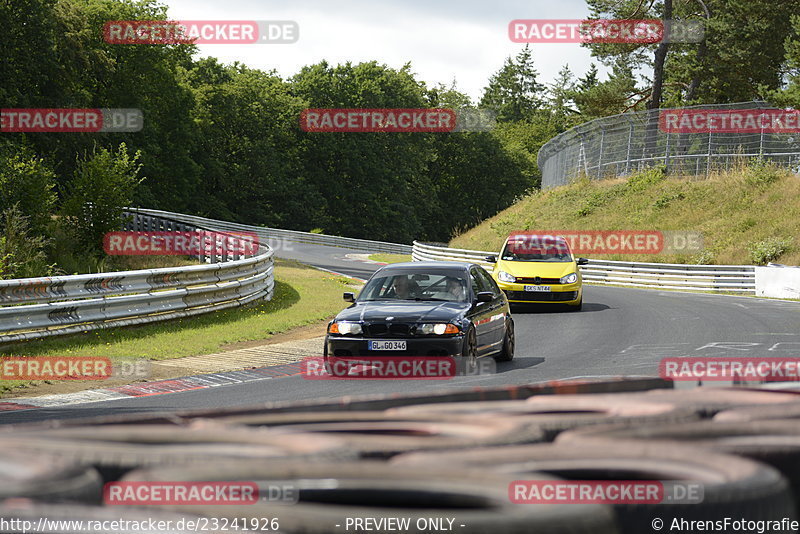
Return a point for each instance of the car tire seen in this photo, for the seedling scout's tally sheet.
(506, 353)
(577, 307)
(469, 352)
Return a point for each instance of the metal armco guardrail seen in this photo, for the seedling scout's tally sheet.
(267, 234)
(41, 307)
(723, 278)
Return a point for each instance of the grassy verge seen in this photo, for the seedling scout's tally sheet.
(749, 215)
(303, 296)
(390, 258)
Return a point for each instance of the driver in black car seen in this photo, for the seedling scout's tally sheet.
(404, 288)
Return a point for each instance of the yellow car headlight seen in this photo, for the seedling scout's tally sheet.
(569, 279)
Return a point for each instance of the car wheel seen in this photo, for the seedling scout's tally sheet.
(469, 353)
(577, 307)
(506, 354)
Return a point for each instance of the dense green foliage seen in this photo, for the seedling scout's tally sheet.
(224, 141)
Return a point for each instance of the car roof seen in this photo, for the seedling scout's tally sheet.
(428, 266)
(524, 234)
(561, 240)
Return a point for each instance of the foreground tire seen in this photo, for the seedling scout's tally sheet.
(46, 478)
(760, 413)
(509, 340)
(706, 401)
(776, 443)
(553, 414)
(115, 449)
(329, 494)
(731, 486)
(394, 435)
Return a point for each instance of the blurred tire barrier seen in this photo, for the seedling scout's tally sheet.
(706, 401)
(776, 443)
(731, 486)
(114, 450)
(761, 413)
(329, 494)
(373, 435)
(381, 402)
(554, 414)
(59, 517)
(46, 478)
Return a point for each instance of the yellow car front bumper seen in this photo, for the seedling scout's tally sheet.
(571, 294)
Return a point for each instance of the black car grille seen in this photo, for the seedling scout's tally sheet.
(531, 280)
(532, 296)
(390, 329)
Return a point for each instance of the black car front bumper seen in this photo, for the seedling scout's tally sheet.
(343, 346)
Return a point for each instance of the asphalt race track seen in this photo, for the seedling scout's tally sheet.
(620, 331)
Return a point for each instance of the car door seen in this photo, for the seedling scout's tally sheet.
(497, 319)
(481, 314)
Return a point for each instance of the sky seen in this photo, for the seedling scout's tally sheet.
(444, 40)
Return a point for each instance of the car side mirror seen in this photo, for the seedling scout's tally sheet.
(491, 258)
(583, 261)
(349, 297)
(485, 296)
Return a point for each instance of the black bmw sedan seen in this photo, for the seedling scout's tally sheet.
(425, 309)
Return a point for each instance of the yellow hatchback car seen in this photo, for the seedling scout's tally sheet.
(539, 269)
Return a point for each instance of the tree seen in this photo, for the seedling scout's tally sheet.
(740, 58)
(27, 183)
(789, 96)
(513, 92)
(560, 100)
(104, 183)
(615, 95)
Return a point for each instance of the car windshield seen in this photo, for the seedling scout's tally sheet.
(520, 252)
(415, 286)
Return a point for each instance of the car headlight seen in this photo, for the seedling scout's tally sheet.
(345, 328)
(505, 277)
(569, 279)
(437, 328)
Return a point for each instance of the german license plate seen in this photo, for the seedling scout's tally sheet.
(387, 345)
(538, 289)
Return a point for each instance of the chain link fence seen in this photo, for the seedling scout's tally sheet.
(622, 144)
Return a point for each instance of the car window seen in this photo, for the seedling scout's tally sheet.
(479, 282)
(415, 286)
(487, 282)
(515, 251)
